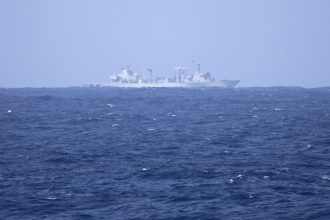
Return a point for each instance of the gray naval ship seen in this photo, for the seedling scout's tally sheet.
(180, 79)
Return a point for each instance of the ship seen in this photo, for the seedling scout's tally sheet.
(126, 78)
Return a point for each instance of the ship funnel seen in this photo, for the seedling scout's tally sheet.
(179, 74)
(148, 75)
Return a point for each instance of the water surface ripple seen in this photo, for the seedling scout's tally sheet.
(101, 153)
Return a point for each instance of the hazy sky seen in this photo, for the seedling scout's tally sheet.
(74, 42)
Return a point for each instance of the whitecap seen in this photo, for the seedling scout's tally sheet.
(266, 177)
(239, 176)
(51, 198)
(110, 105)
(285, 169)
(279, 109)
(114, 125)
(325, 177)
(150, 129)
(9, 111)
(144, 169)
(171, 114)
(255, 116)
(231, 181)
(253, 109)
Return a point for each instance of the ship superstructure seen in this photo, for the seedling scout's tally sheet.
(127, 78)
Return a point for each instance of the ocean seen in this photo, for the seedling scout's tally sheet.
(103, 153)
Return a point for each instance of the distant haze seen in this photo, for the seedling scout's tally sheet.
(74, 42)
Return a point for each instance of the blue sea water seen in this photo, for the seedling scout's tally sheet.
(102, 153)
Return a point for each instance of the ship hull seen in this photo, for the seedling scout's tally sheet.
(220, 84)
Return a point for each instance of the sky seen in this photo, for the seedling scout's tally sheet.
(55, 43)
